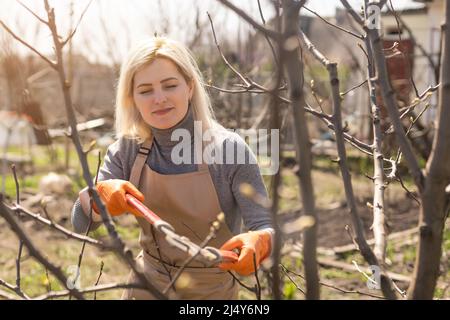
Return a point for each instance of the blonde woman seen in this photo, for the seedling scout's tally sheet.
(160, 95)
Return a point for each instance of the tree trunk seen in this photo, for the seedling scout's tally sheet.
(435, 200)
(294, 71)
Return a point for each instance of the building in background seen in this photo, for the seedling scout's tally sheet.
(425, 26)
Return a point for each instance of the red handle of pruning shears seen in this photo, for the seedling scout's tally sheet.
(153, 218)
(148, 214)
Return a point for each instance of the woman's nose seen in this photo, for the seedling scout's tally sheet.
(159, 97)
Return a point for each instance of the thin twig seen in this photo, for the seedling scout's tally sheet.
(233, 91)
(352, 12)
(102, 264)
(422, 97)
(80, 256)
(7, 296)
(399, 152)
(103, 287)
(15, 289)
(353, 88)
(77, 25)
(32, 12)
(66, 232)
(411, 194)
(8, 215)
(405, 58)
(19, 254)
(244, 80)
(49, 284)
(424, 52)
(257, 285)
(267, 37)
(358, 36)
(284, 269)
(43, 57)
(252, 290)
(337, 288)
(212, 234)
(273, 34)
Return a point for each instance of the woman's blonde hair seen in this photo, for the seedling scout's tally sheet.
(128, 120)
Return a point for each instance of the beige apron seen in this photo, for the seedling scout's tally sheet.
(189, 202)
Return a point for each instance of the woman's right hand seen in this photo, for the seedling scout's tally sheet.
(112, 192)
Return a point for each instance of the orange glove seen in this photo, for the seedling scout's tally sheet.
(112, 192)
(258, 242)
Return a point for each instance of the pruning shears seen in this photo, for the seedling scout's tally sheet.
(209, 256)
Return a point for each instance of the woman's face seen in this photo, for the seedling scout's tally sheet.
(161, 94)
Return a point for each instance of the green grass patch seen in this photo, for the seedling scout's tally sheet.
(333, 274)
(28, 181)
(289, 291)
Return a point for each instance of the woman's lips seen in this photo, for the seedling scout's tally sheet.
(162, 112)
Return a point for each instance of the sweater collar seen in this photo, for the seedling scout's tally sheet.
(163, 136)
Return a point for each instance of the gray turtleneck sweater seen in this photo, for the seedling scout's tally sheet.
(227, 178)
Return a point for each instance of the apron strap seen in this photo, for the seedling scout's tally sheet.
(139, 163)
(141, 158)
(203, 166)
(135, 177)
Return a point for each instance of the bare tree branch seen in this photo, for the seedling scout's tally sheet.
(119, 246)
(353, 88)
(405, 58)
(15, 289)
(32, 12)
(19, 254)
(331, 286)
(378, 176)
(97, 288)
(358, 36)
(51, 63)
(426, 54)
(244, 80)
(7, 296)
(8, 216)
(267, 37)
(55, 226)
(352, 12)
(389, 99)
(272, 34)
(63, 43)
(98, 278)
(366, 251)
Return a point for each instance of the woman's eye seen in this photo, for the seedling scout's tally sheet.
(146, 91)
(171, 86)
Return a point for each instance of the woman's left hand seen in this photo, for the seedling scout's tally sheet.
(249, 243)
